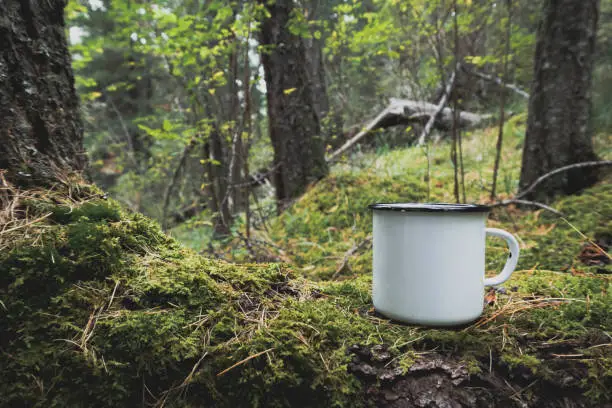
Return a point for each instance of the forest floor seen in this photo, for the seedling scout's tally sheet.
(100, 308)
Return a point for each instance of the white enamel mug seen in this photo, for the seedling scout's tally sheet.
(429, 262)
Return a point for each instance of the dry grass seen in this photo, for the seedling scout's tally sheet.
(19, 221)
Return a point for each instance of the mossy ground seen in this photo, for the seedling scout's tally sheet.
(100, 308)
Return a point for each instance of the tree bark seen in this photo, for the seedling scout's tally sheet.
(295, 130)
(217, 170)
(41, 136)
(558, 130)
(316, 72)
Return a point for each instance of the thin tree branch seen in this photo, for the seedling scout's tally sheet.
(188, 148)
(532, 187)
(350, 253)
(128, 136)
(346, 146)
(455, 135)
(504, 203)
(497, 81)
(439, 108)
(518, 199)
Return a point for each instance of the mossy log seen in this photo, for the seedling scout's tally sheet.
(100, 308)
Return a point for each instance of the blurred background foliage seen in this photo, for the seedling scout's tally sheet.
(174, 97)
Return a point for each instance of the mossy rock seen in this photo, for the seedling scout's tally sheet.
(100, 308)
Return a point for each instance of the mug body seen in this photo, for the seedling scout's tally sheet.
(429, 265)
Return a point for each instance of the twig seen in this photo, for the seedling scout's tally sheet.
(350, 253)
(247, 244)
(128, 136)
(193, 370)
(518, 199)
(439, 108)
(188, 148)
(346, 146)
(586, 238)
(508, 309)
(244, 361)
(540, 179)
(258, 176)
(504, 203)
(26, 224)
(110, 302)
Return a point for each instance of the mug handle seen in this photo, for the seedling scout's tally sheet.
(513, 245)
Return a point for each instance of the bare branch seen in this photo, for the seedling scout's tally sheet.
(504, 203)
(439, 108)
(350, 253)
(518, 199)
(497, 81)
(350, 143)
(128, 136)
(532, 187)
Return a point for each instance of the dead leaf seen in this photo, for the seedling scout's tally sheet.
(491, 297)
(543, 229)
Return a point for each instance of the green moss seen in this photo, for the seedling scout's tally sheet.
(555, 243)
(524, 360)
(100, 308)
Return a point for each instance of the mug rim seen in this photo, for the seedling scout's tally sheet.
(430, 207)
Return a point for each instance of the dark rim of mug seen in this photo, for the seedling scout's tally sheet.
(430, 207)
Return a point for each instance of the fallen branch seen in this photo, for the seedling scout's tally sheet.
(497, 81)
(439, 108)
(518, 199)
(405, 112)
(350, 143)
(540, 179)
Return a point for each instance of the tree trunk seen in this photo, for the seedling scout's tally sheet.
(558, 131)
(295, 130)
(316, 75)
(41, 135)
(217, 170)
